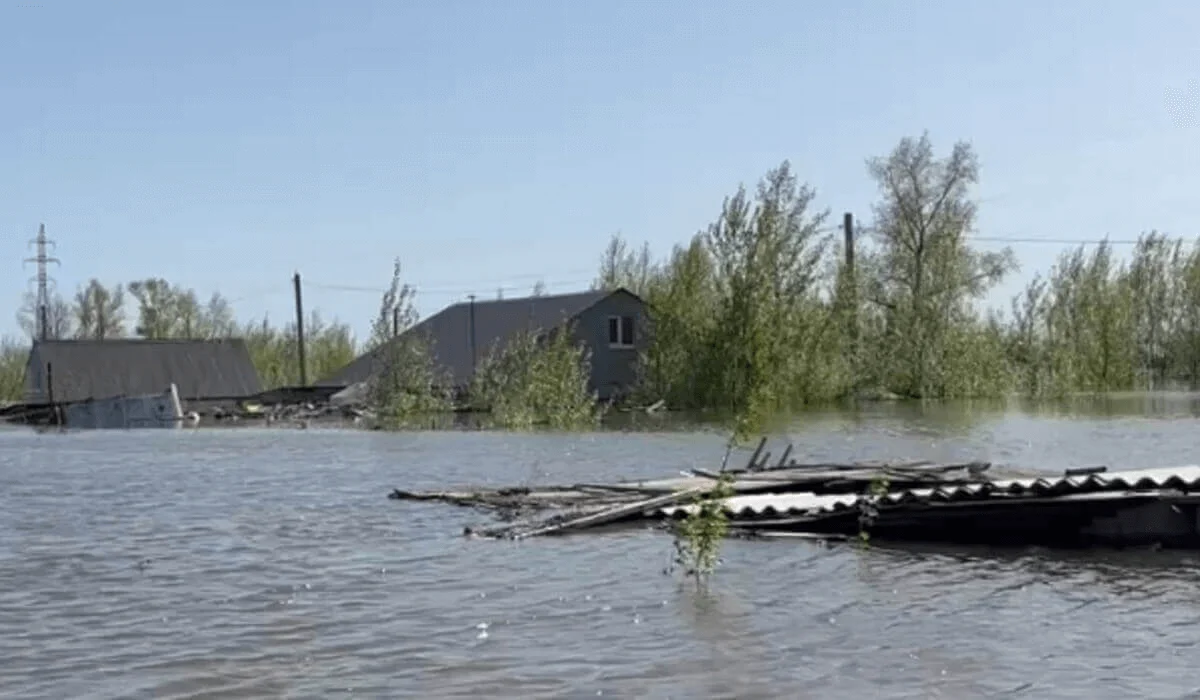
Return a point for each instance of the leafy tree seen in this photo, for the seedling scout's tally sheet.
(59, 317)
(13, 357)
(536, 379)
(397, 310)
(921, 275)
(620, 267)
(406, 382)
(99, 311)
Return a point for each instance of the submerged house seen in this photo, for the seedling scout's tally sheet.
(203, 371)
(608, 324)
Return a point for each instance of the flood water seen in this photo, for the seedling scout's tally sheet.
(256, 563)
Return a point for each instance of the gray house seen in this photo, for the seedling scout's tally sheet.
(608, 323)
(202, 370)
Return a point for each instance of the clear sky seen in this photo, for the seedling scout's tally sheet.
(225, 145)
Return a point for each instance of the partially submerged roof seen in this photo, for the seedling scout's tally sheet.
(1116, 484)
(200, 369)
(496, 322)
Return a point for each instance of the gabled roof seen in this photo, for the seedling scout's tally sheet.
(200, 369)
(496, 322)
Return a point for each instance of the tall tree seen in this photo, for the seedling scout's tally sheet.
(218, 317)
(923, 273)
(330, 345)
(158, 308)
(189, 314)
(59, 317)
(622, 267)
(397, 310)
(767, 254)
(1155, 297)
(99, 311)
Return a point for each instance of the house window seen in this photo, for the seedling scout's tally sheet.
(620, 331)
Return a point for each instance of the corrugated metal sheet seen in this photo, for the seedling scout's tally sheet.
(200, 369)
(1186, 478)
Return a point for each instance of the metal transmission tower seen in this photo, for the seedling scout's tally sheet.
(43, 279)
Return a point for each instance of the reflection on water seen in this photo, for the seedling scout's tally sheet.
(256, 563)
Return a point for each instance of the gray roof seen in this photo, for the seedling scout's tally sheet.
(200, 369)
(496, 321)
(1119, 483)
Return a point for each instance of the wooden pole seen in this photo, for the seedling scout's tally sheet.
(848, 227)
(474, 354)
(55, 418)
(395, 321)
(851, 288)
(300, 330)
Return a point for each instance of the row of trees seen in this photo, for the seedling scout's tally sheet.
(760, 312)
(528, 382)
(156, 309)
(1097, 324)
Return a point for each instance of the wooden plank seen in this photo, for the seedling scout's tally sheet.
(611, 514)
(753, 463)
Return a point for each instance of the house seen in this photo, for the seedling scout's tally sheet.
(608, 323)
(202, 370)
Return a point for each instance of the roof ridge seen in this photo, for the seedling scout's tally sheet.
(535, 297)
(142, 341)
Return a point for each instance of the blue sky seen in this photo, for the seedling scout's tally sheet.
(225, 145)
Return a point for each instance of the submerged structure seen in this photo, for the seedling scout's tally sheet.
(609, 324)
(163, 410)
(131, 382)
(204, 371)
(964, 503)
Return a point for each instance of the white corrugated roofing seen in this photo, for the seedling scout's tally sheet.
(1183, 478)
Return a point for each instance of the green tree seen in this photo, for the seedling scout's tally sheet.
(275, 351)
(99, 311)
(158, 314)
(406, 383)
(13, 357)
(920, 274)
(536, 379)
(59, 317)
(620, 268)
(683, 325)
(397, 310)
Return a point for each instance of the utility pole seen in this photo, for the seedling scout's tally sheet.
(300, 330)
(43, 280)
(850, 288)
(471, 333)
(395, 321)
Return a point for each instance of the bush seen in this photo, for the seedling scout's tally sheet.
(13, 356)
(406, 385)
(536, 380)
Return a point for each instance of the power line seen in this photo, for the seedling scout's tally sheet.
(448, 290)
(974, 236)
(462, 290)
(1055, 241)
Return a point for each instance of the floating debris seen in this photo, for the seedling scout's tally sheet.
(963, 502)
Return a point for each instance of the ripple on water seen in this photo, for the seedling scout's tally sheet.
(267, 564)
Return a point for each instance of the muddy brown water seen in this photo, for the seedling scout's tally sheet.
(269, 563)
